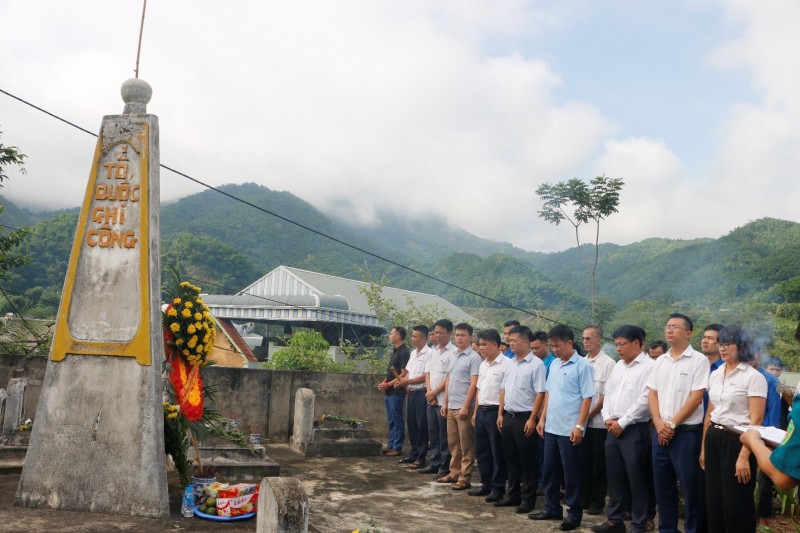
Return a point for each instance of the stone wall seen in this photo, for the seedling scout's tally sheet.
(262, 399)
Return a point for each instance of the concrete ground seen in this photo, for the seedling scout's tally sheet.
(344, 494)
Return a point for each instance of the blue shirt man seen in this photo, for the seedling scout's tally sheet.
(568, 396)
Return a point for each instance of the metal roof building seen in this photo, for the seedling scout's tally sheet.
(296, 297)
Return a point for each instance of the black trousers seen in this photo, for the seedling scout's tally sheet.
(627, 464)
(489, 450)
(729, 504)
(593, 468)
(417, 421)
(522, 457)
(765, 495)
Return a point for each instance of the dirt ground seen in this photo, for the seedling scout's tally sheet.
(344, 494)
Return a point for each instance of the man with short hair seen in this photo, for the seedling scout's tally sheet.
(521, 398)
(708, 345)
(435, 380)
(413, 377)
(395, 397)
(593, 461)
(626, 414)
(459, 396)
(774, 366)
(677, 384)
(539, 347)
(488, 439)
(657, 349)
(569, 392)
(508, 325)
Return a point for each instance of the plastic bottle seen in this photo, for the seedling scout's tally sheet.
(187, 503)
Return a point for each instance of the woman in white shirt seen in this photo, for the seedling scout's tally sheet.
(737, 395)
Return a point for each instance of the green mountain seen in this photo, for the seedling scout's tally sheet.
(224, 245)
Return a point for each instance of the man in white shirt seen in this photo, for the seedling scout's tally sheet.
(593, 462)
(488, 439)
(413, 377)
(435, 380)
(626, 415)
(677, 384)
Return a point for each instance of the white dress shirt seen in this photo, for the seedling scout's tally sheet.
(490, 379)
(416, 365)
(731, 394)
(675, 379)
(602, 364)
(438, 365)
(626, 392)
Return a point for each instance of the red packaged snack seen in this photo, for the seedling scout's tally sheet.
(237, 500)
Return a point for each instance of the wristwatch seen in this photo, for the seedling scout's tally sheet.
(582, 428)
(671, 424)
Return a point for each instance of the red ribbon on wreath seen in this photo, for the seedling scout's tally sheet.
(186, 381)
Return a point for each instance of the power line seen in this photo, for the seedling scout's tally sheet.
(316, 232)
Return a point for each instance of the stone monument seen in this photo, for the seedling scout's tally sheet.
(98, 436)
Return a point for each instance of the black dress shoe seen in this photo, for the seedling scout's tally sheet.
(407, 460)
(428, 470)
(493, 497)
(480, 491)
(544, 515)
(568, 525)
(524, 507)
(505, 501)
(607, 527)
(594, 510)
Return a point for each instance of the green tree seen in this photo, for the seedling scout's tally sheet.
(307, 350)
(10, 157)
(588, 202)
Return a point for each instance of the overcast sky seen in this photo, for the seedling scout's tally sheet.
(450, 107)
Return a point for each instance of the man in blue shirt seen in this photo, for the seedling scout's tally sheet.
(508, 325)
(708, 345)
(568, 396)
(521, 397)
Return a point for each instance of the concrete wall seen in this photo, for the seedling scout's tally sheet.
(29, 367)
(263, 399)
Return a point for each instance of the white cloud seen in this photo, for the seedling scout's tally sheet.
(416, 106)
(332, 101)
(755, 169)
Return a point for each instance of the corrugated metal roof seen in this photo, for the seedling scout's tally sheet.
(277, 300)
(294, 282)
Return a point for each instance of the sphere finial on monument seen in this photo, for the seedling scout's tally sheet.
(136, 93)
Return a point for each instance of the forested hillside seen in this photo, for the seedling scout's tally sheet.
(751, 275)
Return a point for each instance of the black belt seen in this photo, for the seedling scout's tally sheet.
(688, 427)
(412, 391)
(509, 414)
(488, 408)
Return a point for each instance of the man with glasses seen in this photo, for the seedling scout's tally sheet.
(568, 395)
(677, 384)
(593, 462)
(626, 414)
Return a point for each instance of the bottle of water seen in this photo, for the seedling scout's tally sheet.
(187, 503)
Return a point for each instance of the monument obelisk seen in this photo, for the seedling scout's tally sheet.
(98, 435)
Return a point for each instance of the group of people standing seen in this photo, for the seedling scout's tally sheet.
(543, 419)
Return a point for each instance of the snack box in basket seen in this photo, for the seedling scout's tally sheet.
(237, 500)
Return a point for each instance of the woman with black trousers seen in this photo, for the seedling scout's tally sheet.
(737, 395)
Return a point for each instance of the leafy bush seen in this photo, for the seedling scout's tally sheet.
(307, 350)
